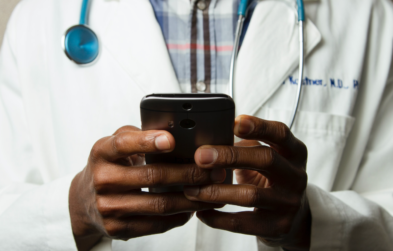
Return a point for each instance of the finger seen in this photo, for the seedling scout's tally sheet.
(261, 158)
(276, 134)
(267, 224)
(135, 159)
(251, 177)
(142, 203)
(242, 195)
(127, 143)
(127, 128)
(133, 227)
(112, 178)
(245, 142)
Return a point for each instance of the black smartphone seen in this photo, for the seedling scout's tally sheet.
(194, 120)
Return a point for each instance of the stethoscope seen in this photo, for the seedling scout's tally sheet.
(242, 12)
(81, 45)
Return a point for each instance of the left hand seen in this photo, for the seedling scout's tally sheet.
(272, 180)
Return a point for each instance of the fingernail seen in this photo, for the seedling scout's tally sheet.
(208, 156)
(162, 143)
(191, 191)
(245, 126)
(217, 175)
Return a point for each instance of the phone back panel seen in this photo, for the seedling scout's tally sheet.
(193, 119)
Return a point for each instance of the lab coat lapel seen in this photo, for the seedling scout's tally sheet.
(140, 48)
(269, 54)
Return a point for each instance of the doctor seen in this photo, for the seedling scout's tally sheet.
(55, 116)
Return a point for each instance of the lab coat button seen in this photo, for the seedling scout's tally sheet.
(201, 86)
(201, 5)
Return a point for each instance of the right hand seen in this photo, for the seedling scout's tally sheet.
(105, 198)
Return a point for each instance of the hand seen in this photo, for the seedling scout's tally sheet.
(106, 198)
(272, 180)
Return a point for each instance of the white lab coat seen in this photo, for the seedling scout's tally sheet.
(53, 111)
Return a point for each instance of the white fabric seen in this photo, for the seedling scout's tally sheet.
(53, 111)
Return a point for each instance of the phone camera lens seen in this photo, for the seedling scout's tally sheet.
(187, 123)
(187, 106)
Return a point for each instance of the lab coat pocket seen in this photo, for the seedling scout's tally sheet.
(325, 136)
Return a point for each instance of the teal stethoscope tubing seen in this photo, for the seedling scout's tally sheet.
(84, 11)
(242, 12)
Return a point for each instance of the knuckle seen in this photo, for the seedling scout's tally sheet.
(146, 176)
(195, 175)
(95, 153)
(101, 182)
(211, 192)
(190, 175)
(231, 156)
(153, 176)
(103, 207)
(145, 142)
(262, 127)
(117, 143)
(250, 196)
(162, 205)
(114, 230)
(269, 157)
(283, 132)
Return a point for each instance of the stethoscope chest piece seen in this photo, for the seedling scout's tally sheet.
(81, 44)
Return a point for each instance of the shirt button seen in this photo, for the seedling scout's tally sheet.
(201, 86)
(201, 5)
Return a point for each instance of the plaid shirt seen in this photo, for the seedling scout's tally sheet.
(199, 35)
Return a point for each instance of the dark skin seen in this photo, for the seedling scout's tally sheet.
(106, 199)
(272, 180)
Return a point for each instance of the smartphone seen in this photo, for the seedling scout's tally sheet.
(194, 120)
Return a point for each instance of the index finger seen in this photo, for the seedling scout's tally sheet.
(127, 143)
(273, 133)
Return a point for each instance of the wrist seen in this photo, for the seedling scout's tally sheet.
(86, 235)
(300, 235)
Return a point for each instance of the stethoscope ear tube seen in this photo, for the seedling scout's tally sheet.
(84, 12)
(235, 50)
(242, 13)
(300, 11)
(301, 69)
(301, 18)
